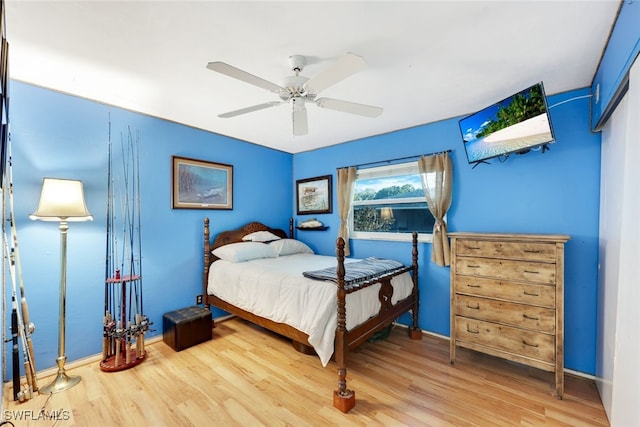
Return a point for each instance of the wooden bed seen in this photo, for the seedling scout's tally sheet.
(345, 340)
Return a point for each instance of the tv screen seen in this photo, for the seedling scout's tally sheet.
(514, 125)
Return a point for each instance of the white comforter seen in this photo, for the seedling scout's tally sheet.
(274, 288)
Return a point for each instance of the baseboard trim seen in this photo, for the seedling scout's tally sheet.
(224, 318)
(95, 358)
(446, 338)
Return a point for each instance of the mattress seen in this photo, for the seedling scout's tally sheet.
(275, 288)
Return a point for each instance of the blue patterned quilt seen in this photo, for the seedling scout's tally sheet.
(358, 271)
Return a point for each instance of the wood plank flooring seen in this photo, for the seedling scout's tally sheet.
(247, 376)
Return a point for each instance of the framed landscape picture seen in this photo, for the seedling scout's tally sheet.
(199, 184)
(313, 195)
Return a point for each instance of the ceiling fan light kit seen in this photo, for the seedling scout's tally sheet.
(299, 90)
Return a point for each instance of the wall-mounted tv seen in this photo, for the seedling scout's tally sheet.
(514, 125)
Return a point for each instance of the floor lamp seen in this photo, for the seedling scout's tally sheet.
(61, 200)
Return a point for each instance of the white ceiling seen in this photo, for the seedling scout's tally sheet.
(427, 60)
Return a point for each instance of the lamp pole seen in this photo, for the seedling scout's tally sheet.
(62, 381)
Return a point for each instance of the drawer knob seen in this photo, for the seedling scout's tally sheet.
(472, 285)
(473, 266)
(472, 331)
(531, 294)
(475, 307)
(531, 271)
(526, 316)
(532, 251)
(529, 344)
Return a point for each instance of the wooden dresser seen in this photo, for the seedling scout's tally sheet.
(507, 298)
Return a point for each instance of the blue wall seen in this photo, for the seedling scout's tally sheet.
(55, 135)
(623, 48)
(554, 192)
(62, 136)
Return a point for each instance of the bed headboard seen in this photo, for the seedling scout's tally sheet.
(234, 236)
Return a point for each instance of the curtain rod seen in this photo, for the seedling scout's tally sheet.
(417, 156)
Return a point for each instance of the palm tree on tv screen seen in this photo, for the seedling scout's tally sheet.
(523, 106)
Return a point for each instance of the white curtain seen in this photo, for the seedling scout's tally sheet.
(437, 191)
(346, 181)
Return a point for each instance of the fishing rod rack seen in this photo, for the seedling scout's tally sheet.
(123, 340)
(124, 324)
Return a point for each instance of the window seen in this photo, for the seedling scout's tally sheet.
(389, 204)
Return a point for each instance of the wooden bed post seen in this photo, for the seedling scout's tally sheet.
(343, 398)
(207, 263)
(414, 331)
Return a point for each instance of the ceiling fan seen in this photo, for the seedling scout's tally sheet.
(299, 90)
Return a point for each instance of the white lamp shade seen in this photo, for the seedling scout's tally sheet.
(61, 200)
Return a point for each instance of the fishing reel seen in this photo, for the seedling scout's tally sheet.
(23, 395)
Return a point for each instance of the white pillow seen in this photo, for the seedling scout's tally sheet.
(244, 251)
(290, 247)
(260, 236)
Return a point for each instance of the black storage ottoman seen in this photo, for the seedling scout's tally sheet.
(186, 327)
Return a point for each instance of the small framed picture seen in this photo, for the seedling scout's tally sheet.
(313, 195)
(198, 184)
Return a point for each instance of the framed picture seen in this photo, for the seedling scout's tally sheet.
(313, 195)
(198, 184)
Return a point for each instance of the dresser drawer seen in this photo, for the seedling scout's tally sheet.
(536, 272)
(518, 315)
(531, 344)
(535, 251)
(528, 293)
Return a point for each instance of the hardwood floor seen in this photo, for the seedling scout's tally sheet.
(247, 376)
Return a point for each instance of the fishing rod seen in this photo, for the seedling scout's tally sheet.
(15, 354)
(18, 331)
(120, 286)
(141, 319)
(139, 220)
(26, 328)
(133, 295)
(114, 270)
(129, 219)
(107, 272)
(4, 278)
(106, 321)
(125, 200)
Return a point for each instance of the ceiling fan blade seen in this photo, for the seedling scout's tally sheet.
(347, 65)
(249, 109)
(239, 74)
(299, 118)
(349, 107)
